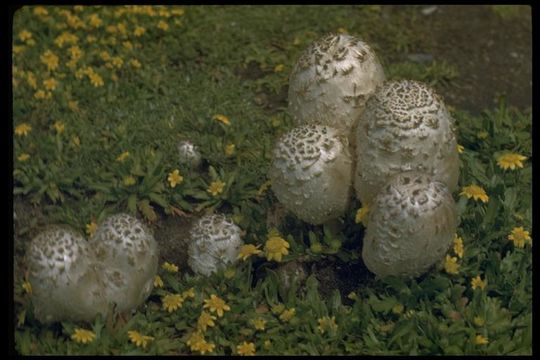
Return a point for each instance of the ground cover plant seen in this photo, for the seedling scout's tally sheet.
(103, 94)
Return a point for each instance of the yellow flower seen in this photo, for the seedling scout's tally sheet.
(158, 282)
(139, 31)
(23, 157)
(247, 250)
(172, 302)
(175, 178)
(475, 192)
(217, 305)
(50, 84)
(511, 161)
(91, 39)
(222, 118)
(398, 309)
(138, 339)
(205, 320)
(105, 56)
(83, 336)
(178, 12)
(40, 11)
(128, 45)
(460, 148)
(135, 63)
(478, 321)
(275, 247)
(195, 340)
(172, 268)
(481, 340)
(27, 287)
(163, 25)
(450, 264)
(40, 94)
(91, 228)
(519, 236)
(95, 21)
(216, 187)
(229, 149)
(206, 347)
(25, 35)
(17, 49)
(189, 293)
(117, 61)
(76, 141)
(482, 135)
(327, 323)
(129, 180)
(259, 323)
(59, 127)
(458, 246)
(95, 79)
(246, 349)
(342, 30)
(122, 156)
(22, 129)
(75, 52)
(31, 80)
(477, 282)
(279, 68)
(73, 105)
(287, 315)
(267, 344)
(361, 215)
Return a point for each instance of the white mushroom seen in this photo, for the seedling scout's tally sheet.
(65, 280)
(189, 154)
(311, 173)
(332, 80)
(214, 244)
(128, 254)
(404, 127)
(411, 226)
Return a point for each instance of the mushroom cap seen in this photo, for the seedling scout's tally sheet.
(404, 127)
(65, 279)
(189, 154)
(128, 254)
(332, 80)
(411, 226)
(311, 172)
(214, 243)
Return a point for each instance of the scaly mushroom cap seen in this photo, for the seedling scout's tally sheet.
(214, 243)
(64, 277)
(411, 226)
(332, 80)
(129, 256)
(189, 154)
(311, 173)
(404, 127)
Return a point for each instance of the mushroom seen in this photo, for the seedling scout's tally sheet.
(214, 243)
(189, 154)
(128, 254)
(332, 80)
(66, 283)
(411, 226)
(404, 127)
(311, 173)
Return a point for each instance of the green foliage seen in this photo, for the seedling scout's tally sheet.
(234, 61)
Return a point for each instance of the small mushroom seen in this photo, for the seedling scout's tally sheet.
(311, 173)
(332, 80)
(404, 127)
(66, 282)
(214, 244)
(128, 254)
(189, 154)
(411, 226)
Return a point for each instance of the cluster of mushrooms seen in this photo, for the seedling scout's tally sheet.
(392, 141)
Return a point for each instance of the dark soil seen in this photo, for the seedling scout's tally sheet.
(492, 53)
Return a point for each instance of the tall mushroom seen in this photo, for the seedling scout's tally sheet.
(411, 226)
(311, 173)
(404, 127)
(332, 80)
